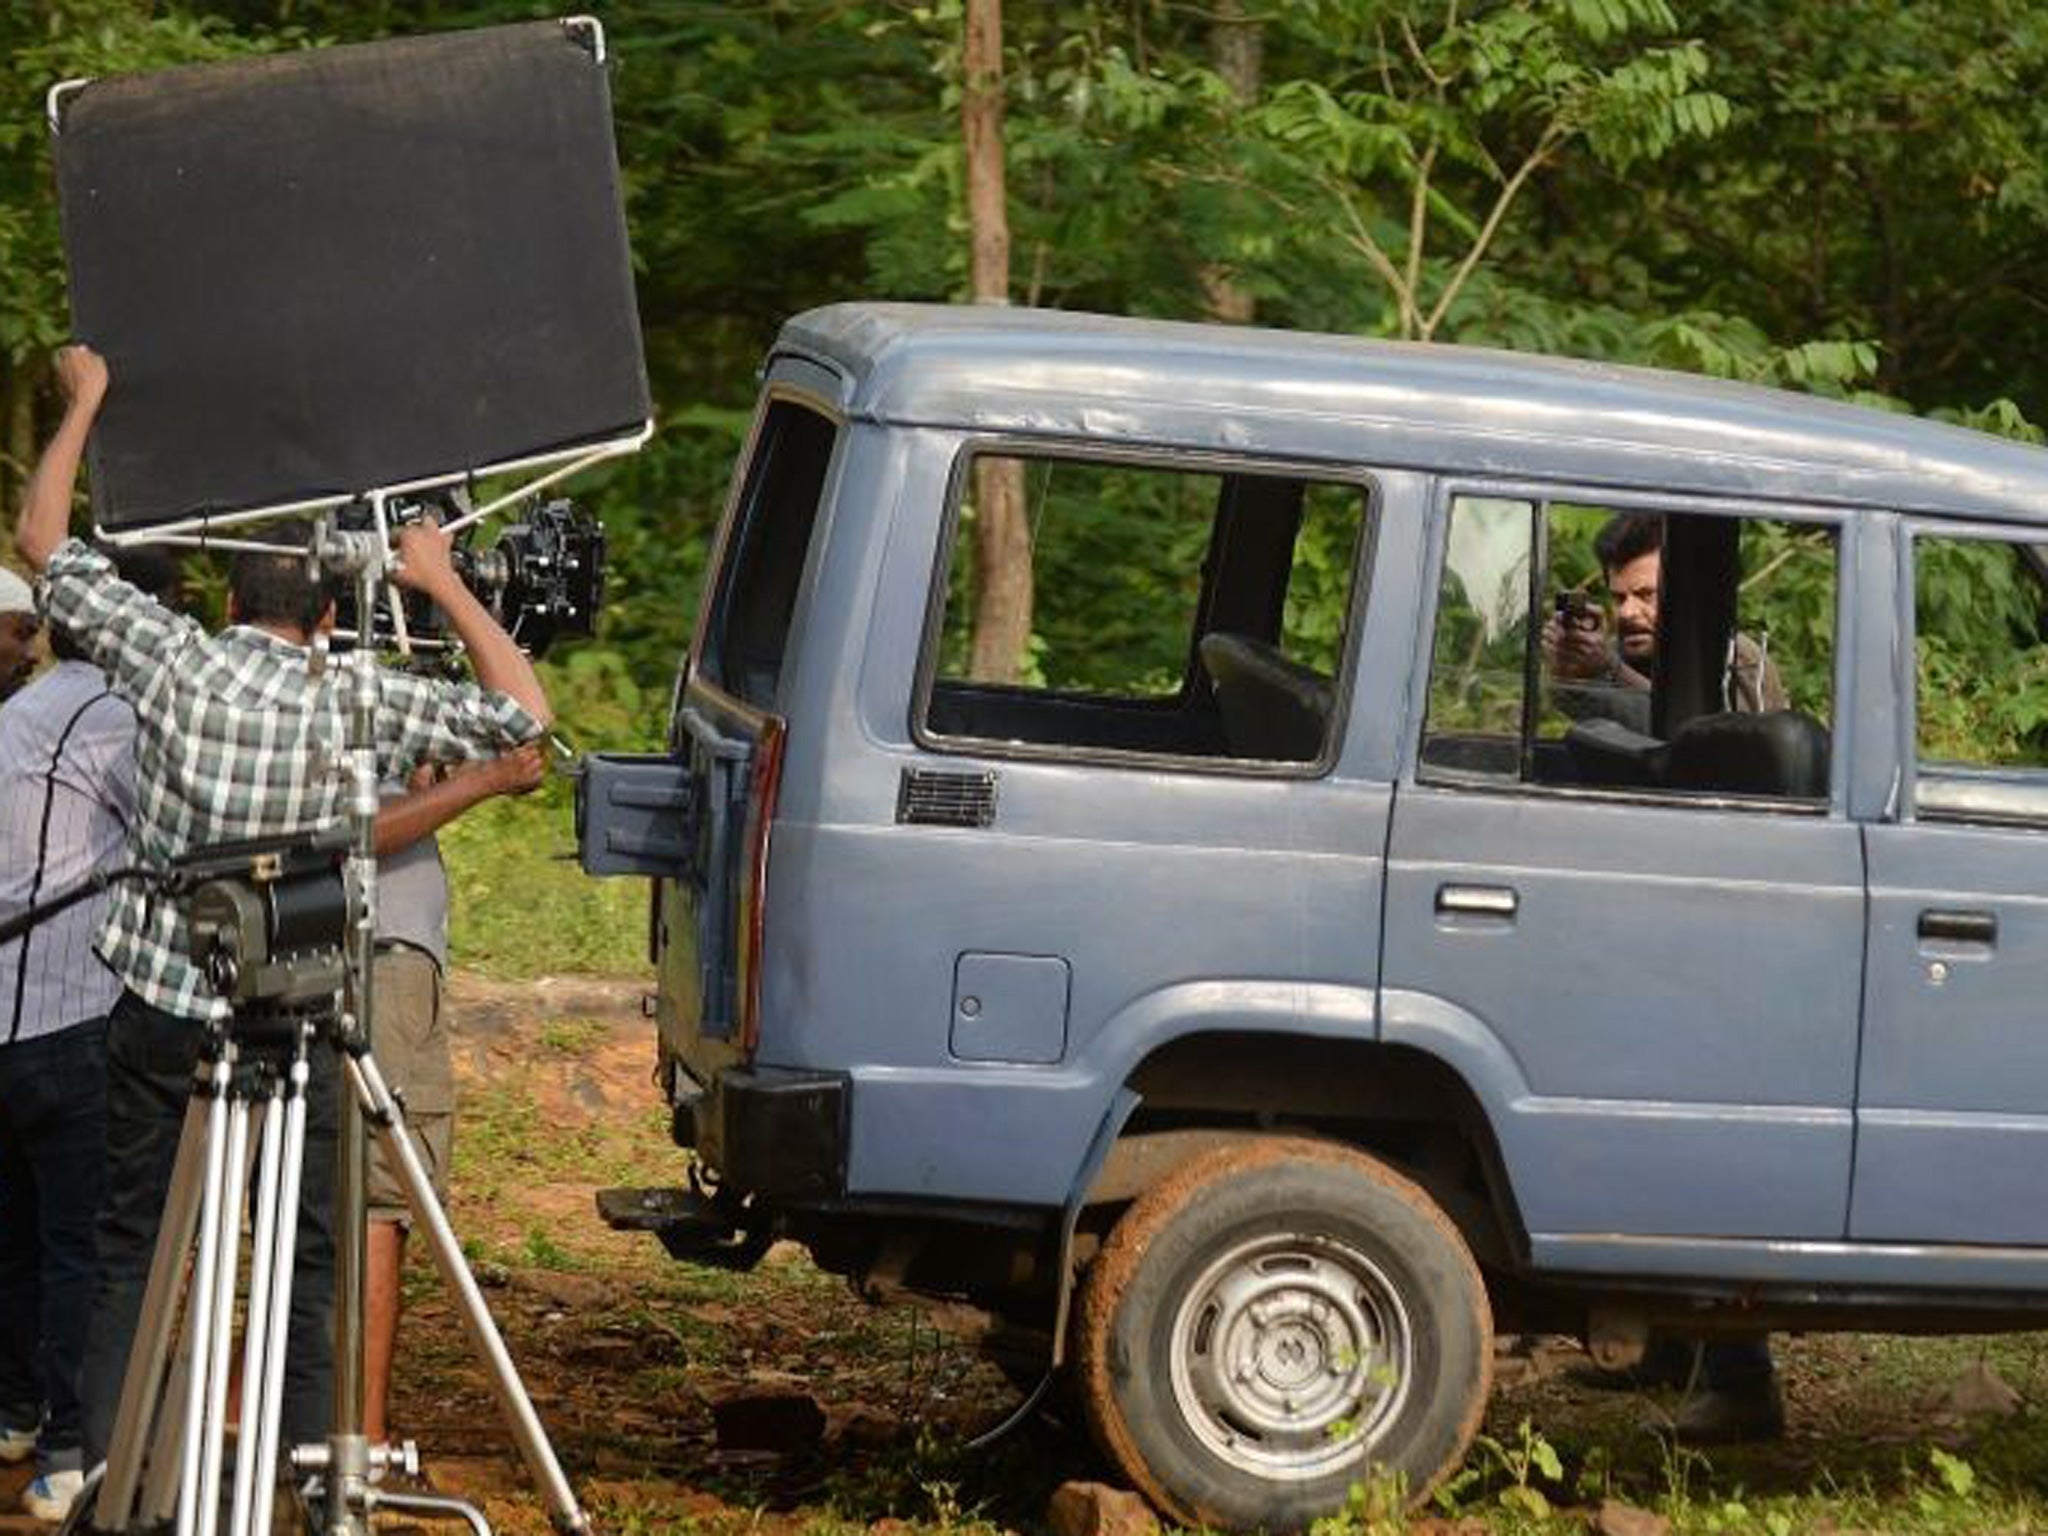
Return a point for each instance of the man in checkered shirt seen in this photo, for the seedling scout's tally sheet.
(236, 738)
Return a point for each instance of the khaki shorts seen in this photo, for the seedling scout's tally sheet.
(410, 1041)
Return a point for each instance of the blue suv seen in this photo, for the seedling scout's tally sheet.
(1476, 846)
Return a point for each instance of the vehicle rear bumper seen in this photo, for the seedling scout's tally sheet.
(769, 1131)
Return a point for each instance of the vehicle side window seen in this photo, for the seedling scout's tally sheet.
(1678, 653)
(754, 600)
(1981, 664)
(1174, 611)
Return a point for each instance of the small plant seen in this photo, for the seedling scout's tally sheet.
(543, 1252)
(572, 1037)
(944, 1497)
(1956, 1474)
(1595, 1479)
(1374, 1506)
(1528, 1457)
(1681, 1465)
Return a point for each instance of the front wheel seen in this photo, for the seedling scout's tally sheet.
(1274, 1322)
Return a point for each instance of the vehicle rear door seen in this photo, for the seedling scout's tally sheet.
(697, 817)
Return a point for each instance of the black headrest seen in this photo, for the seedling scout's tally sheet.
(1272, 707)
(1782, 752)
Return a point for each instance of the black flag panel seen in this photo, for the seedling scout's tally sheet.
(317, 273)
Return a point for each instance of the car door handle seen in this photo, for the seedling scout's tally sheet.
(1497, 902)
(1952, 927)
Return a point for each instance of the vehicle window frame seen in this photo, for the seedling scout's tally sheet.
(2021, 786)
(715, 607)
(1633, 498)
(1167, 459)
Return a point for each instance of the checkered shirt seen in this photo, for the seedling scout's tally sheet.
(236, 739)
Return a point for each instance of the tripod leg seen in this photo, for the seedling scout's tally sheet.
(199, 1315)
(149, 1357)
(261, 1446)
(256, 1327)
(387, 1124)
(167, 1445)
(227, 1267)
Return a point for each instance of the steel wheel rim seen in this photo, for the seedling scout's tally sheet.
(1291, 1356)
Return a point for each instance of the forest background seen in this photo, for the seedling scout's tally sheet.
(1842, 196)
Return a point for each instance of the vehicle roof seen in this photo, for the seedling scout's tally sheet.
(1451, 409)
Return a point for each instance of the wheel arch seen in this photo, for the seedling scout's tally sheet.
(1403, 1105)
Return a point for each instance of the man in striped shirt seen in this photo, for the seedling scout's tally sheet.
(67, 798)
(237, 736)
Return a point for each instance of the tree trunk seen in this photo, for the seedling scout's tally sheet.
(1002, 537)
(1237, 49)
(18, 413)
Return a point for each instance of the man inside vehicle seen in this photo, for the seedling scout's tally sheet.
(1596, 674)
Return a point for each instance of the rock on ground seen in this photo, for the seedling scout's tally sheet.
(1618, 1519)
(783, 1422)
(1095, 1509)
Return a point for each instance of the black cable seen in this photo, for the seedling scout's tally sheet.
(14, 927)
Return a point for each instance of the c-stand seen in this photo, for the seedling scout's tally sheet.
(280, 951)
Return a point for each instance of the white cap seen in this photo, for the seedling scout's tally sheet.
(15, 596)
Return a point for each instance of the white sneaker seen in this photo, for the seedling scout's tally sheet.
(51, 1496)
(17, 1444)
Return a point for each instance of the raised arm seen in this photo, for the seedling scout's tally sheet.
(425, 566)
(46, 509)
(412, 816)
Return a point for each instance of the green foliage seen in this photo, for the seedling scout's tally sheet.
(1983, 669)
(1527, 1463)
(1787, 601)
(1377, 1505)
(45, 43)
(1847, 197)
(520, 906)
(1119, 553)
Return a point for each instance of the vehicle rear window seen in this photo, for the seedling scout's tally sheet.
(1175, 611)
(767, 545)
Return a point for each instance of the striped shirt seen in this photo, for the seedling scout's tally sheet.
(67, 798)
(238, 738)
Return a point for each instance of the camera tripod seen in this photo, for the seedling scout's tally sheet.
(244, 1135)
(279, 956)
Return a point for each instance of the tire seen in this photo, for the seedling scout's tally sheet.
(1274, 1322)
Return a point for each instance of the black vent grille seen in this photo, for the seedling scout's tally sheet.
(930, 798)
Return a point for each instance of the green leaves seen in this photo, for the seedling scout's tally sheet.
(1600, 20)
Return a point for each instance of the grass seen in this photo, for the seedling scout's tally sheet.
(571, 1037)
(522, 907)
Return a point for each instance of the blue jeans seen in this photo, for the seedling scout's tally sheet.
(53, 1119)
(150, 1056)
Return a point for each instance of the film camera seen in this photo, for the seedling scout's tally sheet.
(543, 578)
(268, 919)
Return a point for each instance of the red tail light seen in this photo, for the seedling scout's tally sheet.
(765, 782)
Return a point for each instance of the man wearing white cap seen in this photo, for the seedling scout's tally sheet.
(19, 626)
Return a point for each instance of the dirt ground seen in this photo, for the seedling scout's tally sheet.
(862, 1416)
